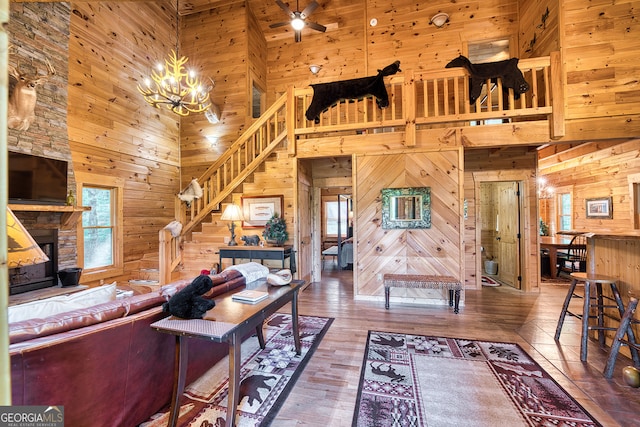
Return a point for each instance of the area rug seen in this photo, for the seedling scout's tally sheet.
(267, 376)
(488, 281)
(415, 380)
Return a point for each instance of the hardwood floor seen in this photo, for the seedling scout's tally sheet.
(325, 393)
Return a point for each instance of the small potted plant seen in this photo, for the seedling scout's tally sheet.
(275, 231)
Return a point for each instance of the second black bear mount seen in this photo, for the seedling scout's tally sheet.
(327, 94)
(506, 70)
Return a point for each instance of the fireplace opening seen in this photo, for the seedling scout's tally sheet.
(38, 276)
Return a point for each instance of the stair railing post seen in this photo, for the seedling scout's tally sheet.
(291, 122)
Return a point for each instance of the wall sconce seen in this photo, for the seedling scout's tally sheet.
(439, 19)
(213, 140)
(544, 191)
(315, 69)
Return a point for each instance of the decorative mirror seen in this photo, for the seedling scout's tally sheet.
(406, 207)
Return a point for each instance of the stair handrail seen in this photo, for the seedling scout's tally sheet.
(220, 179)
(425, 98)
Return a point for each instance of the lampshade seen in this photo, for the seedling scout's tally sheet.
(232, 213)
(22, 250)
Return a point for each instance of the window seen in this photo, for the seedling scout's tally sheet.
(564, 211)
(98, 227)
(100, 230)
(257, 101)
(331, 218)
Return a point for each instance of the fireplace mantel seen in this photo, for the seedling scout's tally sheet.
(70, 214)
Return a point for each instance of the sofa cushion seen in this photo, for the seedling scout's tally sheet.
(61, 304)
(62, 322)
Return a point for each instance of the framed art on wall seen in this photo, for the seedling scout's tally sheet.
(600, 208)
(257, 210)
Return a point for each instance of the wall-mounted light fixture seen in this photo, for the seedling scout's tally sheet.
(439, 19)
(315, 69)
(545, 191)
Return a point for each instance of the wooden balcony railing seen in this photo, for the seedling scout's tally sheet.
(441, 98)
(423, 100)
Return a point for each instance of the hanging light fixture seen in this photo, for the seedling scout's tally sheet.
(176, 87)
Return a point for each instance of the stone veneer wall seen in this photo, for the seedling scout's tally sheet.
(38, 31)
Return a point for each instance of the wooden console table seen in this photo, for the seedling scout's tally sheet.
(228, 322)
(256, 252)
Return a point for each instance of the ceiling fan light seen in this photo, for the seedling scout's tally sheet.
(297, 24)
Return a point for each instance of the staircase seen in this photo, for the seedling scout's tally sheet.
(418, 100)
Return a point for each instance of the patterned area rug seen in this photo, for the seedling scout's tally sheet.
(414, 380)
(488, 281)
(267, 376)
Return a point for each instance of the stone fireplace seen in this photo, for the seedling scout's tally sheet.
(38, 276)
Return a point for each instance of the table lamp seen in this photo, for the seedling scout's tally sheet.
(232, 213)
(22, 250)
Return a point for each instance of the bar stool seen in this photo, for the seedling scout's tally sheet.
(599, 305)
(624, 328)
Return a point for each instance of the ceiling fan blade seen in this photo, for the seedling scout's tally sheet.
(298, 36)
(279, 24)
(284, 7)
(309, 9)
(317, 27)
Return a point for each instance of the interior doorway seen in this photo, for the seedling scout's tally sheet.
(329, 222)
(501, 231)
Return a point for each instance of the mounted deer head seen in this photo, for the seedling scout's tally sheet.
(22, 99)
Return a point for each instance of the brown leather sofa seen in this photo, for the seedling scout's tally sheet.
(105, 364)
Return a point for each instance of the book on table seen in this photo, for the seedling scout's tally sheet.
(249, 295)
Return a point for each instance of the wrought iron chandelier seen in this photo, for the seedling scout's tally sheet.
(177, 88)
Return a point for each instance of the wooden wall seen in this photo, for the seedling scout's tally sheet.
(352, 48)
(538, 27)
(600, 46)
(436, 250)
(217, 40)
(112, 131)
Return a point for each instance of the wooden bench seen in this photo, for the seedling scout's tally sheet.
(420, 281)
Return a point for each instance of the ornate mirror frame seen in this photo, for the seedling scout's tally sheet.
(388, 200)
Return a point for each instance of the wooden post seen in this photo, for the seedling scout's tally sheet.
(164, 257)
(291, 122)
(557, 97)
(5, 366)
(409, 108)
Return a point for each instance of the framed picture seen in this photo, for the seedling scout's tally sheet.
(257, 210)
(600, 208)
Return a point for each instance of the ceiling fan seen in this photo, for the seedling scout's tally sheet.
(298, 19)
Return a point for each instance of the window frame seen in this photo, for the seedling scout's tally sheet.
(325, 218)
(559, 214)
(116, 185)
